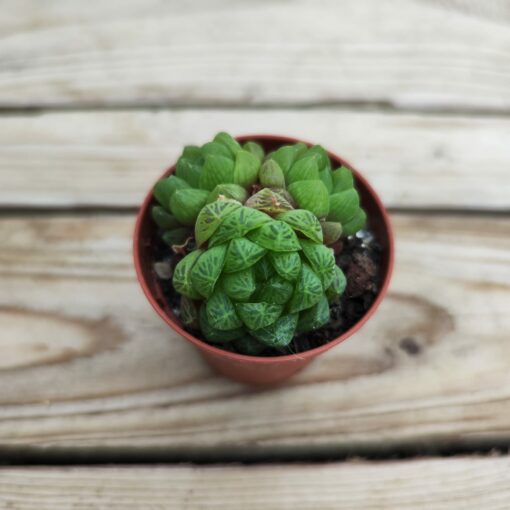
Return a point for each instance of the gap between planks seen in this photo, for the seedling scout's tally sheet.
(327, 106)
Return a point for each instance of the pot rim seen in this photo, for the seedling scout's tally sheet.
(311, 353)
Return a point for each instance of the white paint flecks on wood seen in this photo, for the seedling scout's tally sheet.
(86, 362)
(469, 483)
(408, 54)
(112, 159)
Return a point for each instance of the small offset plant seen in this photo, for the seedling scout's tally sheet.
(261, 270)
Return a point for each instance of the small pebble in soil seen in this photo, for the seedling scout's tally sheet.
(359, 256)
(163, 269)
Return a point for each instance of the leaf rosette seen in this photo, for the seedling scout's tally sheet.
(262, 270)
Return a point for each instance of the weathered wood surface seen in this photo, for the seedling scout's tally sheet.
(468, 483)
(86, 363)
(111, 158)
(408, 54)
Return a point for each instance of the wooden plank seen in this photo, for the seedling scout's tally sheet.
(86, 363)
(407, 54)
(469, 483)
(111, 159)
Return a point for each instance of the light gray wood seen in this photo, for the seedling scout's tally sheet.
(469, 483)
(112, 159)
(425, 54)
(86, 362)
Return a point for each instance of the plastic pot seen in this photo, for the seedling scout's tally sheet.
(258, 370)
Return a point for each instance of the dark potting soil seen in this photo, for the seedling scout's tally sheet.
(358, 256)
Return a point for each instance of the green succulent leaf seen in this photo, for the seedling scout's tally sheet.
(237, 224)
(217, 170)
(342, 179)
(217, 336)
(239, 286)
(269, 201)
(233, 191)
(263, 269)
(230, 143)
(338, 284)
(331, 231)
(162, 218)
(185, 205)
(344, 206)
(176, 236)
(322, 157)
(193, 153)
(304, 169)
(216, 149)
(182, 275)
(321, 259)
(278, 334)
(210, 217)
(271, 175)
(258, 315)
(275, 290)
(165, 188)
(286, 264)
(207, 270)
(255, 149)
(241, 254)
(248, 345)
(287, 154)
(189, 313)
(308, 290)
(327, 179)
(246, 169)
(311, 195)
(284, 156)
(300, 150)
(221, 312)
(276, 236)
(356, 223)
(305, 222)
(314, 317)
(189, 170)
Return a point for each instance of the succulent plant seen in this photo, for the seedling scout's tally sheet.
(261, 271)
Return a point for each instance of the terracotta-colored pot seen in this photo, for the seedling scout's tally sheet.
(256, 369)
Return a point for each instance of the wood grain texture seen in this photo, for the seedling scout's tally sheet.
(86, 363)
(469, 483)
(112, 158)
(408, 54)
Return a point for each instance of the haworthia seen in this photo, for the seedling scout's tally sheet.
(262, 271)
